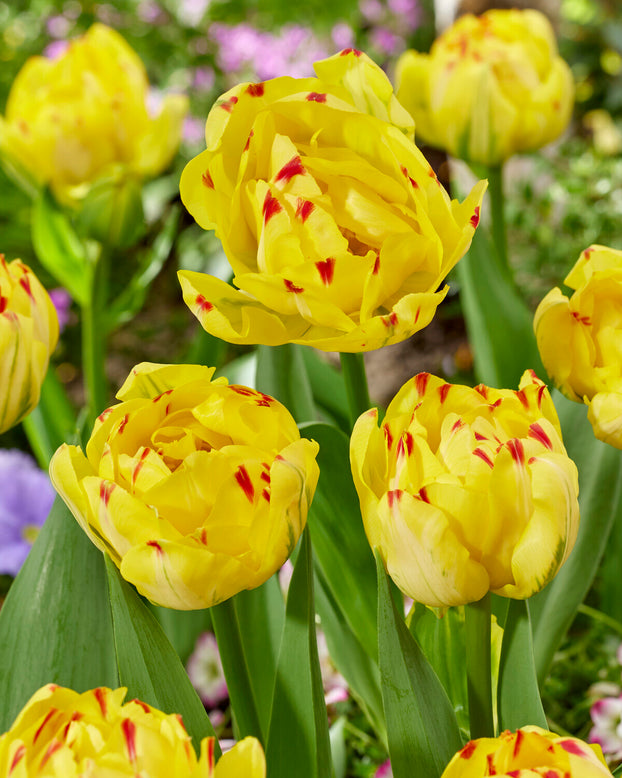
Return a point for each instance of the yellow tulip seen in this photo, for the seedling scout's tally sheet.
(194, 488)
(62, 734)
(338, 232)
(491, 86)
(466, 490)
(83, 116)
(28, 335)
(579, 339)
(530, 752)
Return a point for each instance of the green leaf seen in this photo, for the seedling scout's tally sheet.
(281, 373)
(600, 501)
(341, 549)
(182, 628)
(147, 663)
(55, 625)
(421, 724)
(499, 324)
(58, 247)
(442, 641)
(112, 212)
(298, 738)
(328, 388)
(518, 697)
(52, 422)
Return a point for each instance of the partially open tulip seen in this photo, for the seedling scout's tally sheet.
(491, 86)
(466, 490)
(83, 116)
(579, 339)
(338, 232)
(195, 489)
(528, 753)
(62, 734)
(28, 335)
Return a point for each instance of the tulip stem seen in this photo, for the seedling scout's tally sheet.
(497, 212)
(353, 368)
(94, 331)
(228, 636)
(478, 666)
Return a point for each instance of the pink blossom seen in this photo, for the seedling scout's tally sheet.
(205, 671)
(607, 730)
(342, 36)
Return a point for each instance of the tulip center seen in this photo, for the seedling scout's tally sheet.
(356, 246)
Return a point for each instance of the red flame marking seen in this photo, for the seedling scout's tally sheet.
(142, 704)
(290, 169)
(100, 696)
(255, 90)
(523, 398)
(326, 269)
(291, 287)
(516, 450)
(443, 391)
(421, 383)
(467, 751)
(572, 747)
(156, 545)
(105, 490)
(345, 52)
(483, 390)
(227, 105)
(248, 141)
(271, 206)
(484, 456)
(207, 179)
(536, 432)
(51, 749)
(245, 483)
(129, 733)
(475, 218)
(51, 712)
(304, 209)
(4, 301)
(376, 265)
(388, 437)
(203, 305)
(19, 755)
(423, 494)
(122, 423)
(316, 97)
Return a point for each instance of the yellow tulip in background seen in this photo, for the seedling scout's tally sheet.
(62, 734)
(196, 489)
(466, 490)
(338, 232)
(83, 116)
(579, 339)
(530, 752)
(28, 335)
(491, 86)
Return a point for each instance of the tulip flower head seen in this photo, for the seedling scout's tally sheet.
(491, 86)
(578, 339)
(62, 734)
(28, 335)
(530, 751)
(83, 116)
(466, 490)
(338, 232)
(195, 489)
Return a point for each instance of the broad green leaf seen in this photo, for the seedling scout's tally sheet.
(58, 247)
(298, 741)
(600, 501)
(261, 614)
(342, 552)
(421, 724)
(518, 697)
(499, 324)
(55, 625)
(146, 661)
(182, 628)
(442, 642)
(328, 388)
(282, 374)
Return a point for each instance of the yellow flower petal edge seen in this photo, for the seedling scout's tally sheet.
(337, 230)
(578, 338)
(63, 733)
(466, 490)
(491, 86)
(195, 489)
(28, 336)
(530, 751)
(83, 116)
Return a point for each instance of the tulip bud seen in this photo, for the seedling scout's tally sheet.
(28, 335)
(195, 489)
(465, 491)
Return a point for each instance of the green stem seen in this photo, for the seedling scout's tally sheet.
(227, 628)
(497, 210)
(353, 368)
(94, 332)
(597, 615)
(478, 666)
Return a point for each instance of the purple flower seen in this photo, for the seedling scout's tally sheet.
(203, 79)
(342, 35)
(372, 10)
(408, 11)
(384, 771)
(26, 497)
(58, 26)
(55, 49)
(194, 130)
(607, 730)
(386, 41)
(61, 300)
(205, 671)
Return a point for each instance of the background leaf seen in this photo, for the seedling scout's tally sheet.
(282, 374)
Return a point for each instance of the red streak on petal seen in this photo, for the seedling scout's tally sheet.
(496, 403)
(304, 209)
(344, 52)
(572, 747)
(326, 269)
(129, 733)
(51, 712)
(122, 423)
(393, 319)
(181, 721)
(142, 704)
(204, 536)
(100, 696)
(484, 456)
(536, 431)
(513, 774)
(51, 749)
(394, 496)
(423, 494)
(208, 181)
(243, 390)
(203, 305)
(291, 287)
(156, 545)
(541, 391)
(479, 436)
(410, 443)
(518, 743)
(376, 265)
(265, 476)
(245, 483)
(105, 490)
(490, 758)
(161, 395)
(227, 105)
(388, 437)
(138, 466)
(516, 450)
(457, 424)
(467, 751)
(475, 218)
(248, 141)
(290, 169)
(271, 206)
(551, 774)
(264, 401)
(581, 319)
(417, 315)
(19, 755)
(255, 90)
(523, 398)
(421, 383)
(266, 494)
(443, 391)
(24, 282)
(483, 390)
(210, 754)
(588, 253)
(3, 303)
(316, 97)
